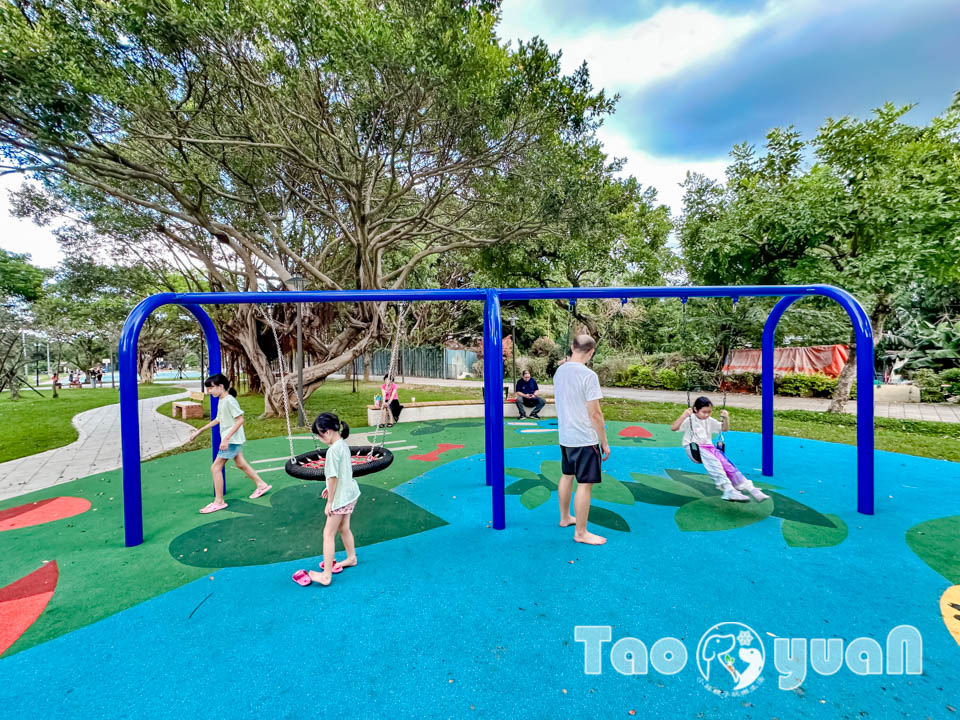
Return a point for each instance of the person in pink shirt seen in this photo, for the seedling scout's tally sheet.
(390, 393)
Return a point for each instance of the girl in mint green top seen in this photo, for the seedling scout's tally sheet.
(230, 419)
(341, 494)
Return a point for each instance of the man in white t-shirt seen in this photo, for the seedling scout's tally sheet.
(583, 435)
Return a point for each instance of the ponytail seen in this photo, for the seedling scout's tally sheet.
(329, 421)
(221, 380)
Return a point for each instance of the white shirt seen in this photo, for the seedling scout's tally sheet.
(699, 431)
(338, 465)
(574, 385)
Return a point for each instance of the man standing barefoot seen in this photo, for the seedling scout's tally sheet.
(583, 437)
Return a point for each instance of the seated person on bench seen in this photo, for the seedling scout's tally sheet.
(528, 396)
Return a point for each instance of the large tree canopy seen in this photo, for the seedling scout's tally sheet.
(345, 141)
(878, 210)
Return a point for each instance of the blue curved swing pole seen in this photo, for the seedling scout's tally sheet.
(493, 366)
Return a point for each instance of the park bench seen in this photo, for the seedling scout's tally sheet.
(452, 410)
(187, 409)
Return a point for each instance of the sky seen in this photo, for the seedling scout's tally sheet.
(695, 78)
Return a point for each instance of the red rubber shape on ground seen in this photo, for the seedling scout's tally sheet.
(23, 601)
(435, 455)
(42, 511)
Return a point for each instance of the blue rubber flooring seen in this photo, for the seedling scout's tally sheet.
(465, 621)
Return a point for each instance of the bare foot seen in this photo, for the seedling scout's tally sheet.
(349, 562)
(323, 578)
(568, 521)
(589, 538)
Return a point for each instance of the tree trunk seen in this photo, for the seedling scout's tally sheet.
(247, 336)
(841, 396)
(145, 367)
(367, 363)
(13, 382)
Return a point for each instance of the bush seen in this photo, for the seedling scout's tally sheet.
(536, 365)
(612, 370)
(543, 347)
(822, 385)
(477, 369)
(929, 383)
(669, 379)
(951, 378)
(800, 385)
(640, 376)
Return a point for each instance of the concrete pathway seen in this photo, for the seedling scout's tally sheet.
(938, 412)
(96, 450)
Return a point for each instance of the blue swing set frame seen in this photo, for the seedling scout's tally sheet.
(492, 366)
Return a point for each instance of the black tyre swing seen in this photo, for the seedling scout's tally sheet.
(364, 459)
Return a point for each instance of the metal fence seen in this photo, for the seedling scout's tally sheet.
(427, 362)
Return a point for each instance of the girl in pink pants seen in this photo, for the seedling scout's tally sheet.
(699, 427)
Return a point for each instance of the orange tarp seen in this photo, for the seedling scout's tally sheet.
(826, 359)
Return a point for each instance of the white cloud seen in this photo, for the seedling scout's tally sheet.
(663, 173)
(629, 57)
(23, 236)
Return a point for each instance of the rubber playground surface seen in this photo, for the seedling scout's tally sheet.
(445, 617)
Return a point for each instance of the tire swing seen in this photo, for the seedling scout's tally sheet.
(365, 459)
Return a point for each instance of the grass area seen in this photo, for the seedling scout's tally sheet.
(33, 424)
(910, 437)
(334, 396)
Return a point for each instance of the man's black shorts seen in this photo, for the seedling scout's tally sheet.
(581, 462)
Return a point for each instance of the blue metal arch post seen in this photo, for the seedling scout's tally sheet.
(865, 442)
(129, 416)
(493, 405)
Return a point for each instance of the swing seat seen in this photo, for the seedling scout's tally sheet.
(364, 459)
(695, 451)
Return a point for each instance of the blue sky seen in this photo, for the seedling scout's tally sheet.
(697, 77)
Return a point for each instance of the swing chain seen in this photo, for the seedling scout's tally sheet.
(391, 369)
(283, 379)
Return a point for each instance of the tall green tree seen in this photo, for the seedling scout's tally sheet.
(879, 207)
(345, 140)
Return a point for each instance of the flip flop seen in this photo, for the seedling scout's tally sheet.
(337, 567)
(302, 577)
(261, 491)
(212, 507)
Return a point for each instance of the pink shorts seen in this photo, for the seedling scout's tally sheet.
(346, 509)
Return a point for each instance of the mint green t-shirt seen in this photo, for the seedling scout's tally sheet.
(338, 465)
(227, 413)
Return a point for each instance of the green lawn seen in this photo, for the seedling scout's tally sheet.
(334, 396)
(910, 437)
(33, 424)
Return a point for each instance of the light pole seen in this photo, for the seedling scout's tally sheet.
(299, 284)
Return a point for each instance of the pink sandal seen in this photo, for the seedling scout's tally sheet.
(213, 507)
(261, 491)
(302, 577)
(337, 567)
